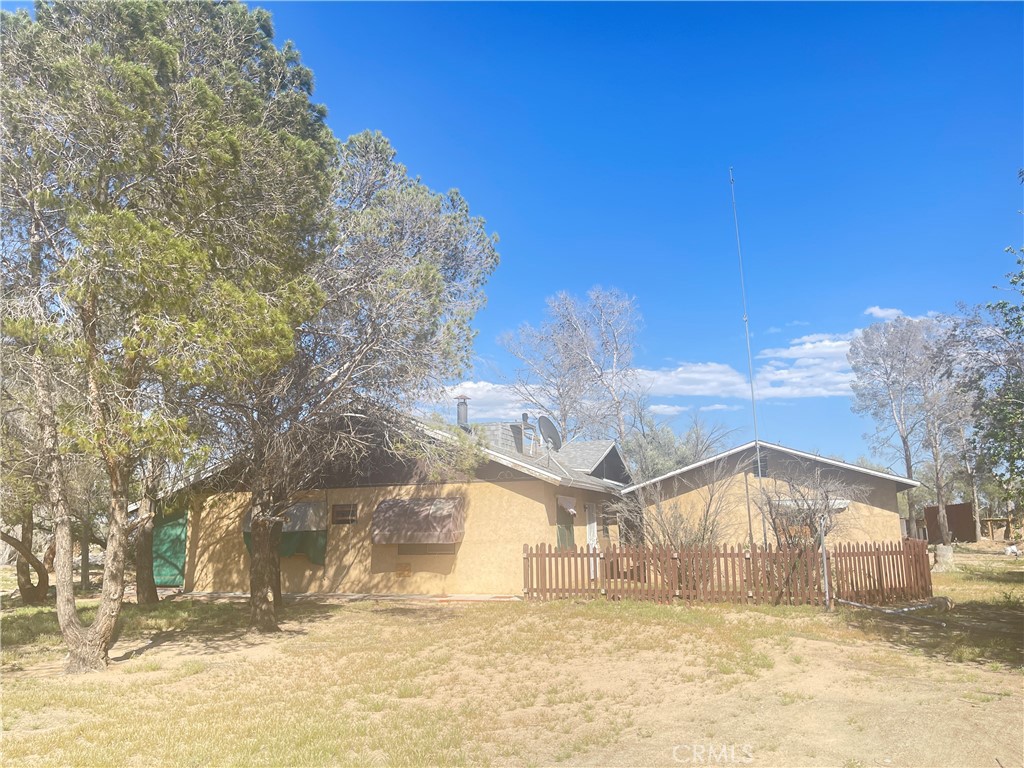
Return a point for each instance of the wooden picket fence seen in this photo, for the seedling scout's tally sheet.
(877, 574)
(870, 573)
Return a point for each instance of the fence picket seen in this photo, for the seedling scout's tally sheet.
(872, 572)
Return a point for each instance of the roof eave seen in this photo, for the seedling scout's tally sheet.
(907, 482)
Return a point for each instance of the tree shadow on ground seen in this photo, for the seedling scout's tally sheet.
(1013, 578)
(206, 627)
(217, 628)
(972, 631)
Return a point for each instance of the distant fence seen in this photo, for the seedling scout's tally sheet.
(870, 573)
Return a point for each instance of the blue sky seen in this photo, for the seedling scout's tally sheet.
(875, 148)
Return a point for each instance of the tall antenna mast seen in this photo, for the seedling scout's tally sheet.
(750, 357)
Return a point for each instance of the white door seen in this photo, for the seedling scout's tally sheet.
(592, 536)
(591, 525)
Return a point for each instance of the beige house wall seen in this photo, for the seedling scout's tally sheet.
(875, 519)
(500, 518)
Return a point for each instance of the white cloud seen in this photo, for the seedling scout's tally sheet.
(797, 322)
(662, 409)
(810, 366)
(774, 329)
(694, 380)
(883, 313)
(487, 400)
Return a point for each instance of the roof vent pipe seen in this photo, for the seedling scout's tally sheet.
(462, 412)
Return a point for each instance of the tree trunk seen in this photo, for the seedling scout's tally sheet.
(87, 646)
(976, 505)
(263, 613)
(940, 497)
(145, 583)
(913, 531)
(971, 468)
(50, 555)
(83, 545)
(275, 552)
(30, 594)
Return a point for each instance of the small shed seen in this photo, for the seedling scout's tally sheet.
(961, 522)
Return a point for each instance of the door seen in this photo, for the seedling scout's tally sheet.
(592, 536)
(591, 525)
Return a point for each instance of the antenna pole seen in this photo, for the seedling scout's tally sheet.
(750, 357)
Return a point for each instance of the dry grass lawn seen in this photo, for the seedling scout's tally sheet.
(568, 683)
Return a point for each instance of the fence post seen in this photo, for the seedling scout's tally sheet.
(526, 571)
(824, 562)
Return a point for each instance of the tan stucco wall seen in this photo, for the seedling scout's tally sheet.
(875, 519)
(500, 518)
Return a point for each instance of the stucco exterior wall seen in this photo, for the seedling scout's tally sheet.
(500, 518)
(875, 519)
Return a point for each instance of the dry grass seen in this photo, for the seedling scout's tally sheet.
(503, 684)
(987, 624)
(8, 580)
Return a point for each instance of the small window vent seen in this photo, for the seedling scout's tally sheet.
(343, 514)
(762, 465)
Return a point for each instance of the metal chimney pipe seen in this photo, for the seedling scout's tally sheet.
(462, 412)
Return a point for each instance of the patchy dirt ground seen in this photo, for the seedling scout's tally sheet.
(617, 684)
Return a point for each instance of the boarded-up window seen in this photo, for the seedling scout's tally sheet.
(418, 521)
(343, 514)
(427, 549)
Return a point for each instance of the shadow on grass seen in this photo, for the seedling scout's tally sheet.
(1014, 578)
(417, 613)
(973, 631)
(210, 628)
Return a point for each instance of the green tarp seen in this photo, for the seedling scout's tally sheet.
(169, 550)
(312, 544)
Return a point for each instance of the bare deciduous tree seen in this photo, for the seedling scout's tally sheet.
(576, 367)
(653, 514)
(803, 501)
(888, 360)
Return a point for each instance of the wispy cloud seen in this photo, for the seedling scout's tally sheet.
(883, 313)
(812, 365)
(809, 366)
(662, 409)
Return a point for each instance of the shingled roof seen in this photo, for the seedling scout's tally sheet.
(571, 466)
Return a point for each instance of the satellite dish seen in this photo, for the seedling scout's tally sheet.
(549, 432)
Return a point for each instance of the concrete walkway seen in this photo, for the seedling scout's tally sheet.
(339, 598)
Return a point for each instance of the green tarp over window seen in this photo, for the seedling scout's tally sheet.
(312, 544)
(169, 550)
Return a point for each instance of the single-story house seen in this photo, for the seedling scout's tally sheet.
(731, 489)
(380, 529)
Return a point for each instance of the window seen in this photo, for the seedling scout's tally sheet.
(343, 514)
(564, 520)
